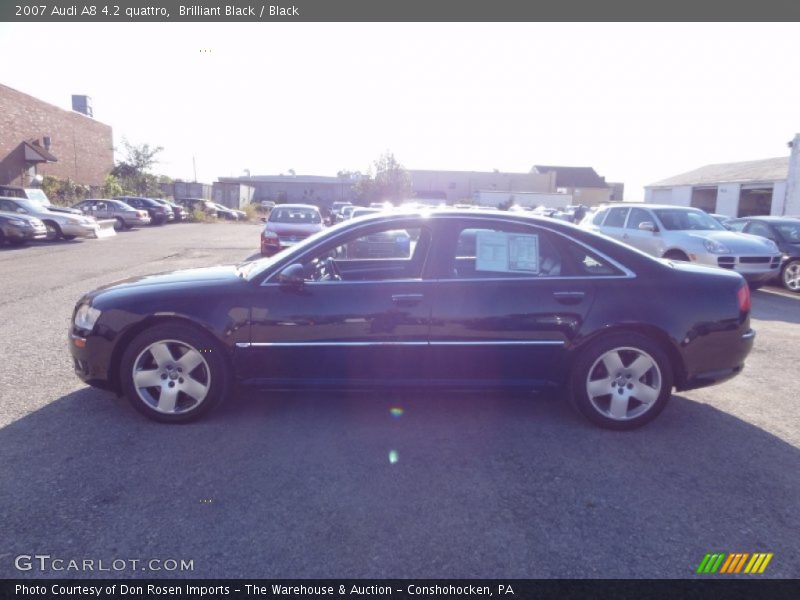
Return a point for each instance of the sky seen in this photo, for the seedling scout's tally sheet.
(638, 102)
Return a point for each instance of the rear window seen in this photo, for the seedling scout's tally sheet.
(616, 217)
(294, 215)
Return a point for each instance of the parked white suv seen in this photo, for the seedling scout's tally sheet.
(687, 234)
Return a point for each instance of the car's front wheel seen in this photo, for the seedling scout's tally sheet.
(174, 373)
(622, 381)
(790, 276)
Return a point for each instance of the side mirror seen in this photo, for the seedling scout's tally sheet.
(292, 276)
(647, 226)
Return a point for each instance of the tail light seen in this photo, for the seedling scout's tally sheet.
(743, 296)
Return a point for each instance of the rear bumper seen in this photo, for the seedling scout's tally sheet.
(713, 364)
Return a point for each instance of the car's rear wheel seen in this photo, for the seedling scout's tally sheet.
(622, 381)
(119, 224)
(790, 276)
(53, 231)
(174, 373)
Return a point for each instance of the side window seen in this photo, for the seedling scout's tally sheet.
(637, 216)
(377, 254)
(616, 217)
(504, 250)
(760, 229)
(736, 225)
(598, 218)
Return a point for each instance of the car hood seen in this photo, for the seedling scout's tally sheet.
(184, 276)
(293, 228)
(21, 217)
(736, 242)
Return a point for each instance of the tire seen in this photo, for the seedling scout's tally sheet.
(190, 393)
(119, 224)
(53, 231)
(69, 237)
(676, 255)
(607, 363)
(790, 275)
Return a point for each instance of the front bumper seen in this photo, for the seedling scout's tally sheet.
(26, 233)
(90, 358)
(80, 230)
(754, 268)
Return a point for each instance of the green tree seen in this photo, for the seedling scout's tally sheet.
(112, 187)
(390, 182)
(133, 173)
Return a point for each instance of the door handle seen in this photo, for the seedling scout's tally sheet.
(407, 299)
(569, 297)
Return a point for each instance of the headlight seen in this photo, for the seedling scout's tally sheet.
(715, 247)
(86, 317)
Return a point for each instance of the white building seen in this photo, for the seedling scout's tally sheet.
(756, 187)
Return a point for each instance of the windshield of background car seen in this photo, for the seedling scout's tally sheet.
(37, 196)
(360, 212)
(674, 219)
(300, 216)
(790, 231)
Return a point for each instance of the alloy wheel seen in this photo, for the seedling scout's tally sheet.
(791, 276)
(171, 376)
(624, 383)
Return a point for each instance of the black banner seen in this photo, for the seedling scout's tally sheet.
(595, 589)
(405, 10)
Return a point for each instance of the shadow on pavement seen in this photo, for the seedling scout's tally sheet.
(452, 484)
(769, 305)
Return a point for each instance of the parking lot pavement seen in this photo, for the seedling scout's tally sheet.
(310, 485)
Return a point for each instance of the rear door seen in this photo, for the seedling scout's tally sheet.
(510, 299)
(614, 224)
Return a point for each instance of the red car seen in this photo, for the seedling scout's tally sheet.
(288, 224)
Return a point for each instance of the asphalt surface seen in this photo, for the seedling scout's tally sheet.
(335, 485)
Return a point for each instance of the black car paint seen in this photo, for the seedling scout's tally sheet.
(691, 311)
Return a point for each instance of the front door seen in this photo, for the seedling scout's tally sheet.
(360, 316)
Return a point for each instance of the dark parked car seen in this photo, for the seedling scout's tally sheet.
(180, 212)
(484, 299)
(171, 217)
(193, 204)
(18, 229)
(231, 214)
(159, 214)
(287, 225)
(785, 232)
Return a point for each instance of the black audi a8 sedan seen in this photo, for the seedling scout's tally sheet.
(469, 298)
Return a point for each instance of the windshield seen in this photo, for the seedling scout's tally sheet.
(295, 215)
(37, 195)
(252, 269)
(675, 219)
(790, 231)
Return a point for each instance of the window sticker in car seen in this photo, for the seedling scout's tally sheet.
(506, 252)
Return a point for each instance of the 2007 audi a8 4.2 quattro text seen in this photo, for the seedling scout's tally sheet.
(474, 299)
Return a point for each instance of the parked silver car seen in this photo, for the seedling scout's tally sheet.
(687, 234)
(124, 216)
(17, 229)
(58, 224)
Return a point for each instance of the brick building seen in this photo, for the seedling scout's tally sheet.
(39, 138)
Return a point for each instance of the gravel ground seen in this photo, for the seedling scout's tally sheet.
(332, 485)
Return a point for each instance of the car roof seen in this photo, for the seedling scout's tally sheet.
(647, 205)
(769, 218)
(296, 206)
